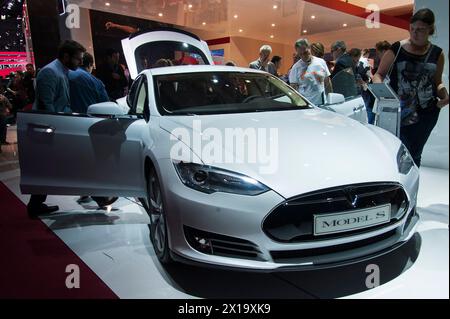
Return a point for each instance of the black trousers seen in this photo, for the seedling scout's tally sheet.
(3, 128)
(415, 136)
(37, 200)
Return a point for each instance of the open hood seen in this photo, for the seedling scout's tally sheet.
(143, 49)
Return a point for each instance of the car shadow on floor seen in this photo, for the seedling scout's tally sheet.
(435, 213)
(90, 214)
(76, 219)
(324, 283)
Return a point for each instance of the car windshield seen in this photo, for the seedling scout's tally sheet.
(223, 92)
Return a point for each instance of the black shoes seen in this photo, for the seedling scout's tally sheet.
(84, 199)
(42, 209)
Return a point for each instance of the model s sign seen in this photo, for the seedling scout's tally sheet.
(337, 223)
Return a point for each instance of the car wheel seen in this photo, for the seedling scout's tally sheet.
(158, 227)
(102, 202)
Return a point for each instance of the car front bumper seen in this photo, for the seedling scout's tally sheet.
(235, 222)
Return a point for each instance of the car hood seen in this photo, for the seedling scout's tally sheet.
(309, 149)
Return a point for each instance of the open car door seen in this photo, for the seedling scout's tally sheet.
(97, 154)
(143, 49)
(352, 105)
(71, 154)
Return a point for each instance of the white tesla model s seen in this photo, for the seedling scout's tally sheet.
(235, 167)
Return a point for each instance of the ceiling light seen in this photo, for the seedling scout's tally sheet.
(305, 31)
(275, 6)
(240, 30)
(107, 4)
(313, 17)
(235, 16)
(190, 6)
(272, 36)
(203, 23)
(344, 25)
(160, 14)
(273, 25)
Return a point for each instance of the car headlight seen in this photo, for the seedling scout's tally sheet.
(208, 179)
(404, 160)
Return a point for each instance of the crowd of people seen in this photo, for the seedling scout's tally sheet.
(312, 75)
(413, 67)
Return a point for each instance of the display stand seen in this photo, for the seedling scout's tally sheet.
(387, 109)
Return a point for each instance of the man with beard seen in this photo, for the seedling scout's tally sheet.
(53, 95)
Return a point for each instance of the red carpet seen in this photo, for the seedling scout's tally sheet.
(33, 259)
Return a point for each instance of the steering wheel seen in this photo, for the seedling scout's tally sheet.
(251, 98)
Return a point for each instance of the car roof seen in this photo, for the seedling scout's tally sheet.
(198, 68)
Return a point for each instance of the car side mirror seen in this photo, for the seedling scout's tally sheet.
(335, 98)
(105, 109)
(122, 102)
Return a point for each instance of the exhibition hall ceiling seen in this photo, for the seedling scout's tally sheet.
(278, 21)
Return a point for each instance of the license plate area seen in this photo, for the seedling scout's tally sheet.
(326, 224)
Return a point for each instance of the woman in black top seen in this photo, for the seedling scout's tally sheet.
(414, 67)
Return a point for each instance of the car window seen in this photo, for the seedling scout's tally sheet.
(141, 99)
(132, 93)
(178, 53)
(345, 83)
(223, 92)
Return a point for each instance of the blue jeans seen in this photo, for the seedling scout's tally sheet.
(369, 101)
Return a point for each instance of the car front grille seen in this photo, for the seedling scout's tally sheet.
(221, 245)
(291, 256)
(292, 220)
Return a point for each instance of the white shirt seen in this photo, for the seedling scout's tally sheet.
(310, 78)
(365, 62)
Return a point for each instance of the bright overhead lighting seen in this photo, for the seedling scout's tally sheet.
(305, 31)
(235, 16)
(160, 14)
(273, 24)
(275, 6)
(203, 23)
(272, 36)
(344, 25)
(313, 17)
(240, 30)
(190, 6)
(107, 4)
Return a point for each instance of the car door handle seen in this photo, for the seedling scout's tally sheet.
(42, 128)
(360, 107)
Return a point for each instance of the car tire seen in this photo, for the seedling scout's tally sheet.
(158, 225)
(102, 202)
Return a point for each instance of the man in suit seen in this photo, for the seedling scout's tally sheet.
(53, 95)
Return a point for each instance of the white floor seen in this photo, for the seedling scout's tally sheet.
(117, 248)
